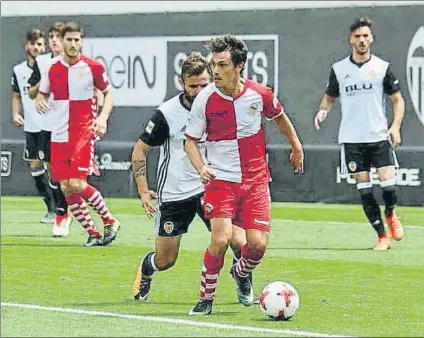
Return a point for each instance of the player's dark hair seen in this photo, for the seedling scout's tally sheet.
(195, 65)
(56, 27)
(34, 34)
(72, 27)
(363, 21)
(236, 47)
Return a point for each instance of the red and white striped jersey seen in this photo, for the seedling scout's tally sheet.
(235, 142)
(74, 103)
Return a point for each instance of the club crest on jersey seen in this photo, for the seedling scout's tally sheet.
(373, 75)
(352, 166)
(168, 227)
(253, 108)
(415, 67)
(208, 207)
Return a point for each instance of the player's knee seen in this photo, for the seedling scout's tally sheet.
(36, 165)
(258, 247)
(165, 262)
(77, 185)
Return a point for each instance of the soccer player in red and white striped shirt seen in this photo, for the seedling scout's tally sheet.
(229, 111)
(73, 78)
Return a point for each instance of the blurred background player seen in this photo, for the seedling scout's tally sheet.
(361, 80)
(63, 219)
(179, 190)
(229, 111)
(76, 128)
(37, 139)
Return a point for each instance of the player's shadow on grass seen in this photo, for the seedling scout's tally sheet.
(323, 249)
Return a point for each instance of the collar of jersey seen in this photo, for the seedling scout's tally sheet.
(359, 64)
(230, 98)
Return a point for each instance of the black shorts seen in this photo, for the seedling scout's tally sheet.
(360, 157)
(37, 146)
(174, 218)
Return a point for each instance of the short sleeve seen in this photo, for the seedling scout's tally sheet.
(197, 119)
(272, 107)
(333, 88)
(44, 87)
(35, 75)
(390, 82)
(101, 80)
(156, 131)
(15, 85)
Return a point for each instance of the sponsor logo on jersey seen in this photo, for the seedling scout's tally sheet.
(415, 72)
(149, 127)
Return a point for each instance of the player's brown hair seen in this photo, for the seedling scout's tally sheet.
(34, 34)
(72, 27)
(236, 47)
(195, 65)
(363, 21)
(56, 27)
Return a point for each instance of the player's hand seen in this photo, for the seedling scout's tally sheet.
(100, 127)
(297, 158)
(42, 106)
(207, 175)
(394, 134)
(146, 199)
(18, 120)
(320, 117)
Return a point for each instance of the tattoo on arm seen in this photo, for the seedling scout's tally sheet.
(139, 168)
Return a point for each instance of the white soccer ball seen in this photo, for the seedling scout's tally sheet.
(279, 300)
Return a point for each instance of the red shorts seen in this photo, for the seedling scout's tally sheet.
(72, 160)
(247, 204)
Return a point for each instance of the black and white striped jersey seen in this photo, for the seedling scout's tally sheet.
(21, 74)
(362, 88)
(176, 177)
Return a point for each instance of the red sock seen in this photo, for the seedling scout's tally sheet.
(80, 211)
(248, 261)
(210, 271)
(96, 201)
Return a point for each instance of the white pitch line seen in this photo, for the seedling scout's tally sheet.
(168, 320)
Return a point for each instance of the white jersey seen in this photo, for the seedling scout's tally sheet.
(21, 74)
(177, 179)
(362, 88)
(44, 61)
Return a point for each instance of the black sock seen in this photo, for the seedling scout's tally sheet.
(59, 198)
(44, 190)
(372, 210)
(147, 269)
(390, 199)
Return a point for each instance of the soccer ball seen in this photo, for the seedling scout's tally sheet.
(279, 300)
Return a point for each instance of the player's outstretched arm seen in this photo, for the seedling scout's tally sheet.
(286, 127)
(193, 153)
(139, 165)
(324, 109)
(398, 114)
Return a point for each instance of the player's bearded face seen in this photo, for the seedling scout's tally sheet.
(361, 40)
(72, 42)
(35, 48)
(194, 84)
